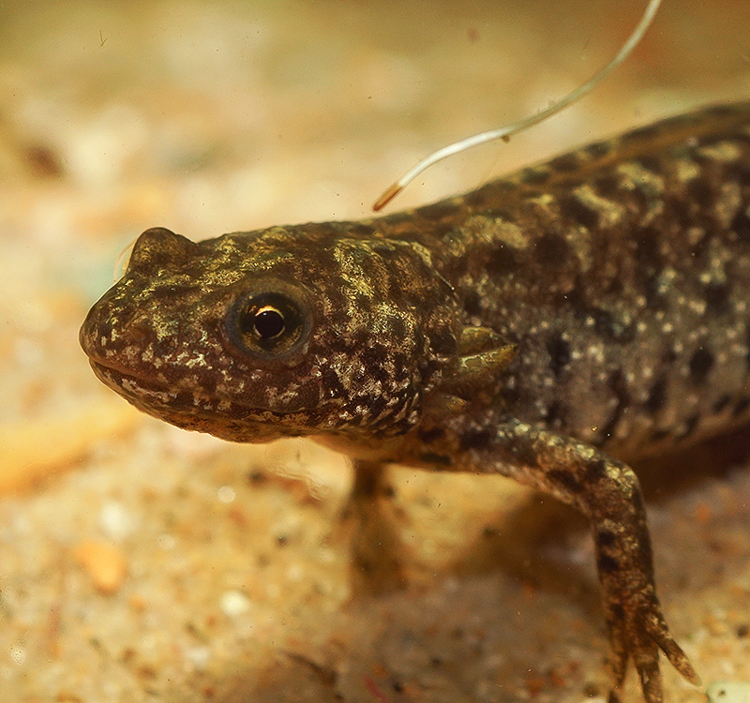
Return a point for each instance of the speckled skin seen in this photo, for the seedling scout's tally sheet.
(550, 326)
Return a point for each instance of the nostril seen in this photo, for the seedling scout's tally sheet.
(138, 332)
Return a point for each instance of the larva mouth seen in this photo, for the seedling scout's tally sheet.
(146, 394)
(190, 410)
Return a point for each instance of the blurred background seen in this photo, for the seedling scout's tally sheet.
(140, 563)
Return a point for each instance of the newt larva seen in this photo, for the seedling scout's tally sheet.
(552, 326)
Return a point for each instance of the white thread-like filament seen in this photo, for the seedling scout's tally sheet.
(506, 132)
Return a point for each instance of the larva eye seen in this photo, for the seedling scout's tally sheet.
(269, 324)
(265, 323)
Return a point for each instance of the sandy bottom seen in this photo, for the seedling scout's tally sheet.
(141, 563)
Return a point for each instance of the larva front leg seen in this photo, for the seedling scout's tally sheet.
(608, 493)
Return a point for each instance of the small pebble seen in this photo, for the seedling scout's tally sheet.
(234, 603)
(116, 521)
(18, 654)
(166, 541)
(226, 494)
(104, 563)
(198, 656)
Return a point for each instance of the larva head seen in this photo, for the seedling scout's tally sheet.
(289, 331)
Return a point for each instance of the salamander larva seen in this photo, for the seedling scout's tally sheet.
(551, 326)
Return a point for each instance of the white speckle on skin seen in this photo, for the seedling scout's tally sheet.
(686, 170)
(510, 233)
(723, 151)
(595, 352)
(610, 212)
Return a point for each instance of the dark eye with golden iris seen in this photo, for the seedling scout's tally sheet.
(268, 324)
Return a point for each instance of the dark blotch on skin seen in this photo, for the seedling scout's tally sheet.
(431, 435)
(398, 328)
(605, 322)
(510, 395)
(572, 208)
(650, 163)
(401, 218)
(477, 439)
(742, 405)
(595, 471)
(559, 354)
(608, 186)
(566, 480)
(617, 612)
(330, 381)
(690, 425)
(721, 404)
(659, 435)
(607, 564)
(605, 538)
(615, 287)
(740, 172)
(657, 395)
(521, 451)
(669, 356)
(699, 250)
(566, 163)
(717, 297)
(536, 176)
(478, 199)
(619, 388)
(599, 149)
(209, 386)
(607, 325)
(551, 249)
(555, 413)
(371, 357)
(473, 304)
(701, 363)
(400, 360)
(502, 260)
(650, 265)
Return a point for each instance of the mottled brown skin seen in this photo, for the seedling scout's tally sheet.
(550, 326)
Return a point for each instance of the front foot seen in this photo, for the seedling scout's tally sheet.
(637, 628)
(638, 631)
